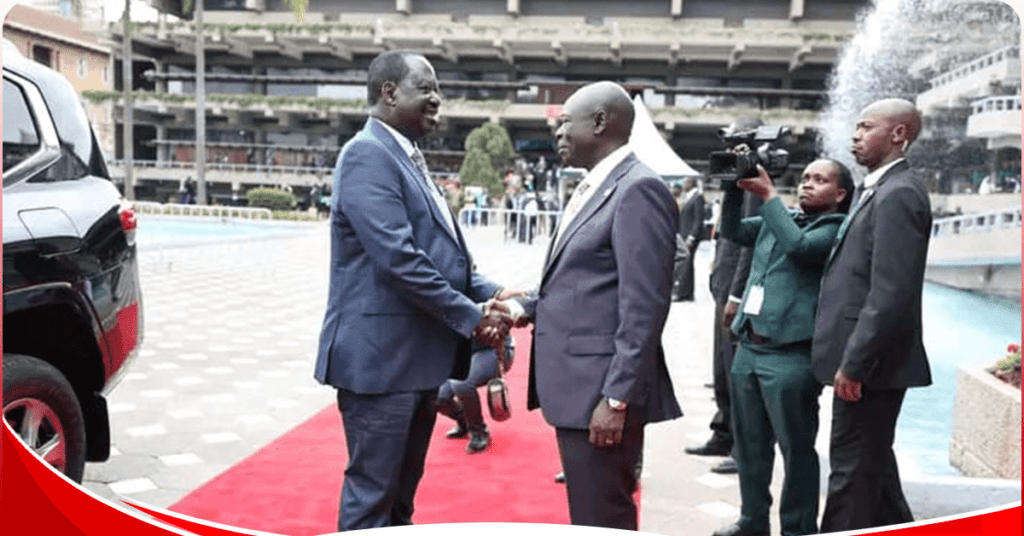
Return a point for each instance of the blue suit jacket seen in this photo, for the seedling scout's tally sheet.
(402, 298)
(602, 303)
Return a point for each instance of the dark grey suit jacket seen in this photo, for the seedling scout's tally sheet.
(869, 310)
(691, 219)
(602, 303)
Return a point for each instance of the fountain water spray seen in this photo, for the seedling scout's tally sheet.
(898, 45)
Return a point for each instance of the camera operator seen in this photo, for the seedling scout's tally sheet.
(773, 389)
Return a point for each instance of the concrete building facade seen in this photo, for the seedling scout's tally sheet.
(283, 96)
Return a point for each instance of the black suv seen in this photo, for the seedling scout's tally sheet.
(72, 303)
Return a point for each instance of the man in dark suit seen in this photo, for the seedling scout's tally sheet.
(867, 338)
(403, 300)
(691, 232)
(597, 367)
(729, 271)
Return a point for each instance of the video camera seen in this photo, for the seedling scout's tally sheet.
(736, 164)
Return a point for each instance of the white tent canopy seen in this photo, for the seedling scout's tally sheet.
(652, 149)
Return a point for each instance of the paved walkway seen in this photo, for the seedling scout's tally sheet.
(226, 367)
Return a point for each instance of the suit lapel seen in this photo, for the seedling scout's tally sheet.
(862, 202)
(413, 174)
(596, 201)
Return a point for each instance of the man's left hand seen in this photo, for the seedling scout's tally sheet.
(606, 425)
(845, 388)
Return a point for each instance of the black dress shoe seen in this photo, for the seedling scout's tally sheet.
(727, 467)
(478, 441)
(711, 448)
(458, 432)
(736, 529)
(560, 477)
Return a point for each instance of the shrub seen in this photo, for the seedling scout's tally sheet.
(271, 198)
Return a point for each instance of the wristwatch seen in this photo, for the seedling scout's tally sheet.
(616, 405)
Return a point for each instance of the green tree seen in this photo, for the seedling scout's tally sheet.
(493, 140)
(272, 198)
(477, 170)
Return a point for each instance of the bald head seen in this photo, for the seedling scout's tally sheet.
(595, 121)
(885, 130)
(898, 112)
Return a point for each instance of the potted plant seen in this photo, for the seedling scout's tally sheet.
(1008, 368)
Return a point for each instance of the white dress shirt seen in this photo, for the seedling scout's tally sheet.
(872, 179)
(586, 188)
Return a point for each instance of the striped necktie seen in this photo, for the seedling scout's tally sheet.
(575, 203)
(433, 188)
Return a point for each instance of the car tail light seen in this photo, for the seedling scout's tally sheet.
(128, 220)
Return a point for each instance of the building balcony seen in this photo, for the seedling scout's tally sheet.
(261, 111)
(560, 39)
(997, 119)
(971, 80)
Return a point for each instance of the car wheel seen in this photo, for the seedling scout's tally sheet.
(41, 407)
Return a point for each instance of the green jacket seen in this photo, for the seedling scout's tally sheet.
(788, 263)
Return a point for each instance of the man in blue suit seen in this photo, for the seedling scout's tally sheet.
(404, 300)
(597, 367)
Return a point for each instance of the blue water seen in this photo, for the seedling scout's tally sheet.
(960, 328)
(164, 232)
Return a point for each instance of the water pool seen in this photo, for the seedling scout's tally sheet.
(960, 328)
(159, 231)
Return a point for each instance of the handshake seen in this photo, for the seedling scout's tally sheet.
(501, 313)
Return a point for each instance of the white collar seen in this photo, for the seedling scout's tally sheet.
(872, 179)
(403, 141)
(600, 172)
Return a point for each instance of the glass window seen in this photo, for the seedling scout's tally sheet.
(83, 68)
(21, 138)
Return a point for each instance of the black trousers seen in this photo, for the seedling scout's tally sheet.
(864, 485)
(600, 482)
(387, 437)
(724, 348)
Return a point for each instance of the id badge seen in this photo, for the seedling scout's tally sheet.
(755, 299)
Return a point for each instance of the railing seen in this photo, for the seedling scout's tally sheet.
(1002, 56)
(977, 223)
(996, 104)
(519, 224)
(254, 168)
(217, 211)
(224, 166)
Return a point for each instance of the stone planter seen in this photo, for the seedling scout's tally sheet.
(985, 439)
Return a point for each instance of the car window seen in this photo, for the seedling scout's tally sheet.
(21, 138)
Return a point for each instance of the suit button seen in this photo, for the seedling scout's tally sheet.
(461, 262)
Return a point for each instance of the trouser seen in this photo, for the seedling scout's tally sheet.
(600, 482)
(775, 399)
(682, 273)
(721, 363)
(864, 485)
(459, 399)
(387, 437)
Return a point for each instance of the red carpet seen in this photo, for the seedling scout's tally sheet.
(292, 485)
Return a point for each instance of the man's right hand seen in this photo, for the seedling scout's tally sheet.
(504, 303)
(494, 326)
(729, 313)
